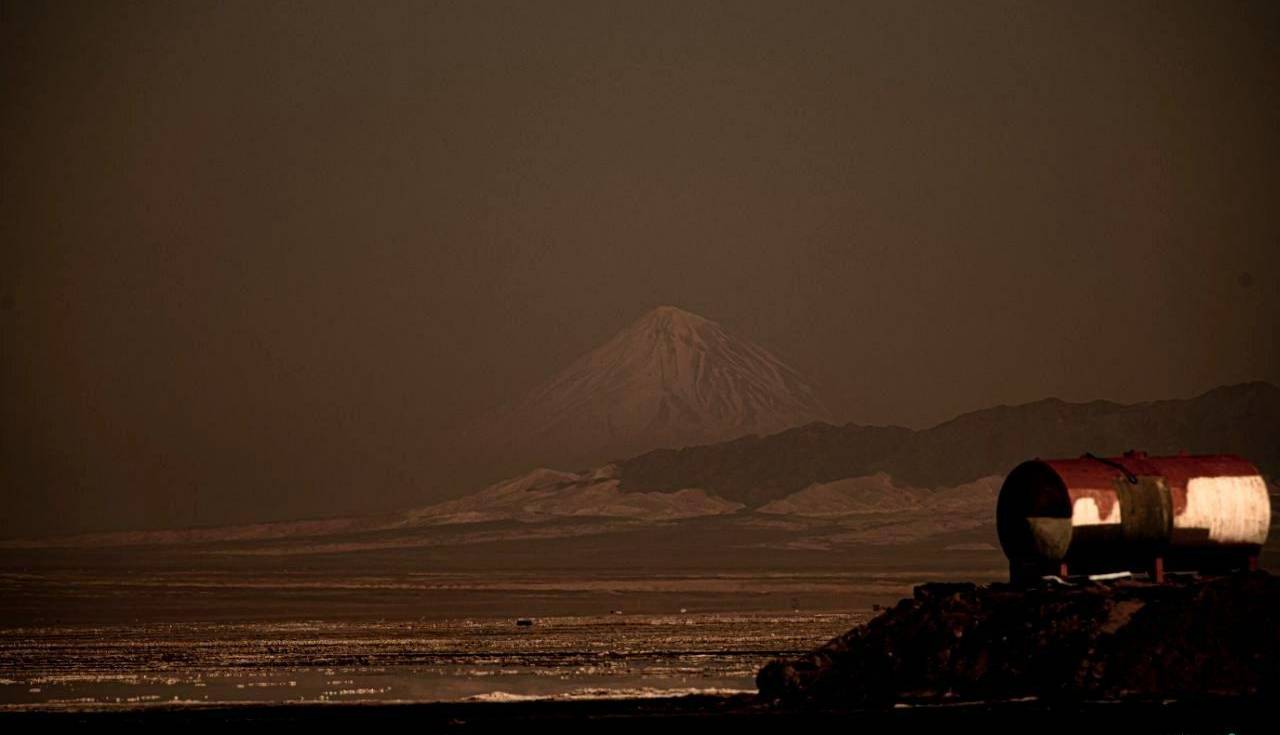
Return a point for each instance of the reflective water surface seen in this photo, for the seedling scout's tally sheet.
(450, 659)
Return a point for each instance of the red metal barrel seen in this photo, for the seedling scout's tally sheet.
(1132, 513)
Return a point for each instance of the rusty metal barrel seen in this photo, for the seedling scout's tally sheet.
(1096, 515)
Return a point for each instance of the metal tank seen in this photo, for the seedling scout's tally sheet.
(1096, 515)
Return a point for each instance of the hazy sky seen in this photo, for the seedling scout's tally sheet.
(262, 256)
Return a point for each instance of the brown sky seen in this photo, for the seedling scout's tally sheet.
(266, 254)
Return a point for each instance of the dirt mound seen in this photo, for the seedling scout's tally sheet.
(1127, 639)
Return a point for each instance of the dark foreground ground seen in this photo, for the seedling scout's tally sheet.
(1130, 639)
(741, 713)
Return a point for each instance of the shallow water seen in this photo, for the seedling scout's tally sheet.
(442, 660)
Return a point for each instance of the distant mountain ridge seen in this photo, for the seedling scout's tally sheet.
(670, 379)
(814, 488)
(1241, 419)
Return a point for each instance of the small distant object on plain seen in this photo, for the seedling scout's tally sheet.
(524, 622)
(616, 612)
(684, 609)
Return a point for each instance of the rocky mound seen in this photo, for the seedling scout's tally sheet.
(1098, 641)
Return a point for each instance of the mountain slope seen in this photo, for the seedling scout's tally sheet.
(1240, 419)
(670, 379)
(545, 494)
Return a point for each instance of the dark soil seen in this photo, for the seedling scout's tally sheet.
(1241, 716)
(1125, 640)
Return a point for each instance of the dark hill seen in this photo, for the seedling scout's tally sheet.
(1241, 419)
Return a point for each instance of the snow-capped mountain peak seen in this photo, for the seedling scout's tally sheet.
(669, 379)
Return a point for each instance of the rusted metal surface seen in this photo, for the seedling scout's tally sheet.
(1133, 512)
